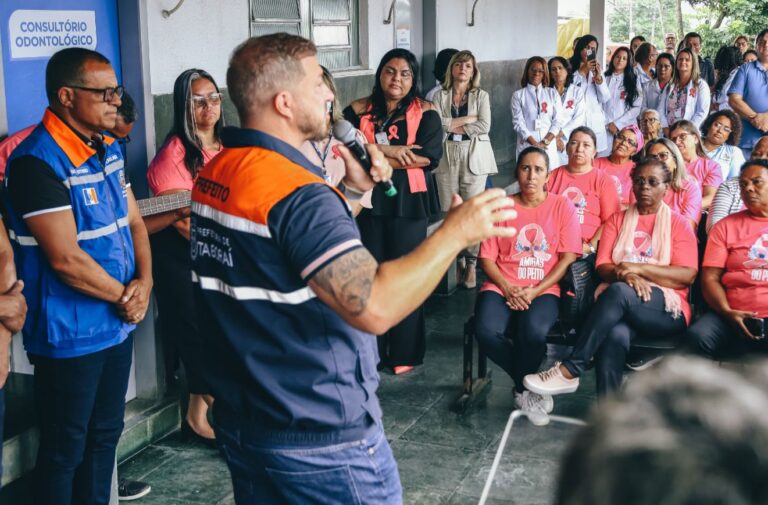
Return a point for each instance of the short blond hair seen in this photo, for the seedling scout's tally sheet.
(461, 57)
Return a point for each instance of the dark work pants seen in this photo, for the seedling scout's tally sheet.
(171, 269)
(713, 337)
(388, 238)
(617, 317)
(495, 324)
(80, 404)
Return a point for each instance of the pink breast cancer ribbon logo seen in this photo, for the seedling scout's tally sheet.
(393, 133)
(569, 104)
(758, 253)
(544, 107)
(536, 247)
(576, 197)
(641, 250)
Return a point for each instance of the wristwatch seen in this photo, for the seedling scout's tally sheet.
(591, 247)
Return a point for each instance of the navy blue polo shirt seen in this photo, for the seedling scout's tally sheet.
(264, 222)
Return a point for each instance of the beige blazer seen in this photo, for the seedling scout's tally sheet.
(481, 158)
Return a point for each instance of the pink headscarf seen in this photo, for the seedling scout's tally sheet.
(638, 135)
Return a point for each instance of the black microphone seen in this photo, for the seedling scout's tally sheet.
(345, 133)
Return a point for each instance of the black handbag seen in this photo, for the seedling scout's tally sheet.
(577, 293)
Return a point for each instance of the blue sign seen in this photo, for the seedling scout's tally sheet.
(33, 30)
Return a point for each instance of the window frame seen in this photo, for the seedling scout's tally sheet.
(306, 22)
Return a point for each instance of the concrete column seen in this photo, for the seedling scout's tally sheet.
(597, 26)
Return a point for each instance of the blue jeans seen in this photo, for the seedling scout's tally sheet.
(358, 472)
(617, 317)
(513, 339)
(80, 404)
(713, 337)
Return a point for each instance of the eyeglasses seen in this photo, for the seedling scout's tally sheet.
(391, 72)
(108, 94)
(206, 101)
(536, 71)
(721, 126)
(661, 156)
(650, 181)
(680, 139)
(626, 140)
(649, 120)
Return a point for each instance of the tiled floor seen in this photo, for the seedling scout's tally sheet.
(443, 457)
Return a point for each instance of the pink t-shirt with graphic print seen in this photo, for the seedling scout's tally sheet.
(543, 233)
(167, 170)
(706, 172)
(593, 194)
(620, 174)
(739, 244)
(687, 202)
(684, 246)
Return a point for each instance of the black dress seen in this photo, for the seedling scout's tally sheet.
(396, 226)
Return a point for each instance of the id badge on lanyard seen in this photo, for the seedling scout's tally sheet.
(382, 138)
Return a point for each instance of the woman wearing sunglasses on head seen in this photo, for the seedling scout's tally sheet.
(193, 141)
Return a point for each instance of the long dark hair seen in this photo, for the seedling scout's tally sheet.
(568, 68)
(630, 77)
(377, 99)
(184, 118)
(580, 45)
(727, 58)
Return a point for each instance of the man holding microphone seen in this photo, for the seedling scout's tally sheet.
(289, 298)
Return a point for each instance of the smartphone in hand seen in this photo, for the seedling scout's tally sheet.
(591, 55)
(756, 326)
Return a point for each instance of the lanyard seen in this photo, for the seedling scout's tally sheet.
(322, 155)
(398, 110)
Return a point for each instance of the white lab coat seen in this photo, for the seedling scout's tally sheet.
(696, 107)
(574, 115)
(615, 108)
(642, 77)
(651, 95)
(530, 104)
(595, 95)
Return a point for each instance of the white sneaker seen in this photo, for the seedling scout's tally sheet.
(546, 401)
(550, 382)
(532, 406)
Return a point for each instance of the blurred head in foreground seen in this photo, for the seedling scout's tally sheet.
(687, 433)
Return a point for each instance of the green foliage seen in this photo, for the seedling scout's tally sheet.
(742, 17)
(737, 17)
(646, 20)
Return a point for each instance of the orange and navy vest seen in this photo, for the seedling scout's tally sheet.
(263, 223)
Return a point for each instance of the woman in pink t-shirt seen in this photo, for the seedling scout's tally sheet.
(618, 165)
(684, 194)
(647, 259)
(193, 141)
(521, 297)
(707, 172)
(734, 276)
(591, 191)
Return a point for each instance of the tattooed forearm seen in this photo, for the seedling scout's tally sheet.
(349, 279)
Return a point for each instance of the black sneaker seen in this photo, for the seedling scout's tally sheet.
(128, 490)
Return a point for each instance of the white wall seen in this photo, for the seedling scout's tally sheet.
(504, 29)
(202, 34)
